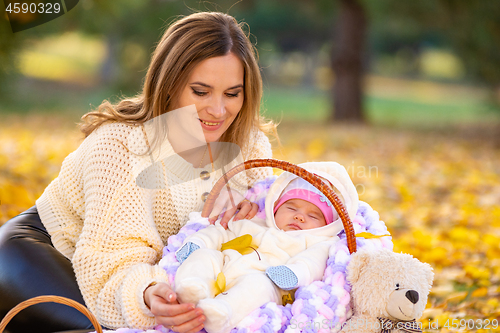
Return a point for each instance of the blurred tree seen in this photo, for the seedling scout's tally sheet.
(347, 62)
(7, 46)
(8, 50)
(122, 24)
(471, 29)
(130, 29)
(295, 25)
(305, 26)
(474, 31)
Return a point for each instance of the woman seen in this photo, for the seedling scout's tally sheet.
(114, 230)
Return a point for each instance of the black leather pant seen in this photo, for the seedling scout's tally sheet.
(30, 266)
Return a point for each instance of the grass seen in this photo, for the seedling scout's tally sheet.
(406, 112)
(314, 106)
(388, 102)
(32, 97)
(295, 104)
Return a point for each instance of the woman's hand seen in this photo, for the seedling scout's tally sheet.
(183, 318)
(236, 205)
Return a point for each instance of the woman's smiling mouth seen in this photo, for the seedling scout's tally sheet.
(210, 125)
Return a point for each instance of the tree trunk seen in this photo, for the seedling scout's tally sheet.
(347, 63)
(110, 67)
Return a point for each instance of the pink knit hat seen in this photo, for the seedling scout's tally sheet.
(301, 189)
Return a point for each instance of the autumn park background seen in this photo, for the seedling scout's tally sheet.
(404, 94)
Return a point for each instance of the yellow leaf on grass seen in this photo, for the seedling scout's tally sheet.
(477, 272)
(456, 297)
(494, 303)
(480, 292)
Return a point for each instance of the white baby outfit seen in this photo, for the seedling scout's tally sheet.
(304, 252)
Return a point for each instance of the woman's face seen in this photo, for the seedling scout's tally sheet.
(215, 87)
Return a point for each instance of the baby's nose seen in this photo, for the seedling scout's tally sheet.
(299, 218)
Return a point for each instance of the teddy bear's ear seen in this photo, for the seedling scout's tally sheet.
(429, 274)
(358, 260)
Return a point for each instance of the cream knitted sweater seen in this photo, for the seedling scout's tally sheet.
(113, 230)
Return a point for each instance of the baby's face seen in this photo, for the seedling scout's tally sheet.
(298, 214)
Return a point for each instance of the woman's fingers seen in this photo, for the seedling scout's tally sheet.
(219, 205)
(245, 207)
(163, 301)
(164, 291)
(245, 210)
(183, 318)
(157, 294)
(216, 211)
(227, 216)
(253, 211)
(190, 321)
(227, 199)
(171, 311)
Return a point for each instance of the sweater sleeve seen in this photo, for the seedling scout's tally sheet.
(116, 255)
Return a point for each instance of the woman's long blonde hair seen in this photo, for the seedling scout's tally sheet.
(185, 44)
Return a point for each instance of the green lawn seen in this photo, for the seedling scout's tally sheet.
(405, 112)
(313, 105)
(279, 103)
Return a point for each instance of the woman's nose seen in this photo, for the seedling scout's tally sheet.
(217, 108)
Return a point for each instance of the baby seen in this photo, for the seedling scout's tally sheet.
(261, 259)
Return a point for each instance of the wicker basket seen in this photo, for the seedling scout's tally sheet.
(214, 193)
(296, 170)
(45, 299)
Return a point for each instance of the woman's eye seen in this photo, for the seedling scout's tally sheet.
(233, 94)
(199, 93)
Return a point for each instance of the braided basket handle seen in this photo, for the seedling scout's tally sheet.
(49, 298)
(296, 170)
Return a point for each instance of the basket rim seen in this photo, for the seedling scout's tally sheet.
(312, 178)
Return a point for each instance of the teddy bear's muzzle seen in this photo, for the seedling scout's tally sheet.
(403, 304)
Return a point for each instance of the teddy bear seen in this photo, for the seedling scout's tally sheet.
(388, 291)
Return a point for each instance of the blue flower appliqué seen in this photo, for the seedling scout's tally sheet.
(322, 198)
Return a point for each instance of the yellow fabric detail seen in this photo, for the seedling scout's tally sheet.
(242, 244)
(367, 235)
(220, 283)
(288, 298)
